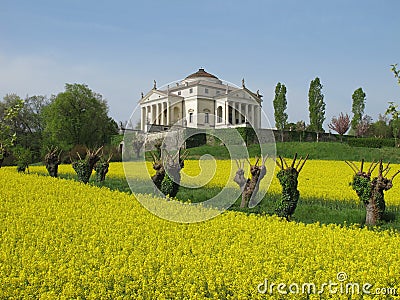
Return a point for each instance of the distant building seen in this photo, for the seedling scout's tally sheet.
(201, 100)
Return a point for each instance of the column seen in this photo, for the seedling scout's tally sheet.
(226, 113)
(148, 120)
(143, 119)
(241, 113)
(237, 115)
(162, 113)
(246, 116)
(257, 117)
(153, 114)
(157, 121)
(232, 106)
(253, 120)
(167, 113)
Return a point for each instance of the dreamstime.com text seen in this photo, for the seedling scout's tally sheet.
(338, 286)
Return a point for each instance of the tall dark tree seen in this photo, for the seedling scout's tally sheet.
(358, 107)
(280, 105)
(78, 116)
(316, 106)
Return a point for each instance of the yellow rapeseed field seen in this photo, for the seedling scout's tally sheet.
(60, 239)
(319, 178)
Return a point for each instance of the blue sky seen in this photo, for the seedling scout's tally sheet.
(119, 47)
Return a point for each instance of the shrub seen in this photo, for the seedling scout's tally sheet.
(196, 140)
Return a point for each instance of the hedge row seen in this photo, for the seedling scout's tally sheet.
(198, 137)
(370, 142)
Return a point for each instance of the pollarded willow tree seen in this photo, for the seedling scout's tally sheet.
(371, 192)
(101, 168)
(84, 167)
(158, 166)
(168, 171)
(288, 178)
(172, 164)
(52, 160)
(250, 186)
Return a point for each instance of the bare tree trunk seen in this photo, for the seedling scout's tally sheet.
(52, 161)
(101, 169)
(251, 185)
(172, 179)
(372, 216)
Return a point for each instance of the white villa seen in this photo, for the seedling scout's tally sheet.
(201, 100)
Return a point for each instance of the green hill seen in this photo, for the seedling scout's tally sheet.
(321, 150)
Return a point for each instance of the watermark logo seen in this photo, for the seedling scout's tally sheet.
(341, 285)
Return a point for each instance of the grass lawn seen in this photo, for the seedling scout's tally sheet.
(321, 150)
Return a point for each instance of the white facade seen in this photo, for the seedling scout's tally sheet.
(201, 100)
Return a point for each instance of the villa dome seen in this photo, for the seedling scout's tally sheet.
(201, 73)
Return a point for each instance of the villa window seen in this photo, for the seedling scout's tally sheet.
(190, 90)
(219, 114)
(206, 118)
(206, 91)
(191, 117)
(179, 93)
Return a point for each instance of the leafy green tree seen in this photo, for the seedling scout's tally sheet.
(395, 121)
(23, 158)
(78, 116)
(396, 72)
(280, 105)
(381, 128)
(316, 106)
(7, 135)
(358, 107)
(28, 123)
(393, 109)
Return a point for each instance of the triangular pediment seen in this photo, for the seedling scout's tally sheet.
(153, 95)
(238, 94)
(243, 93)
